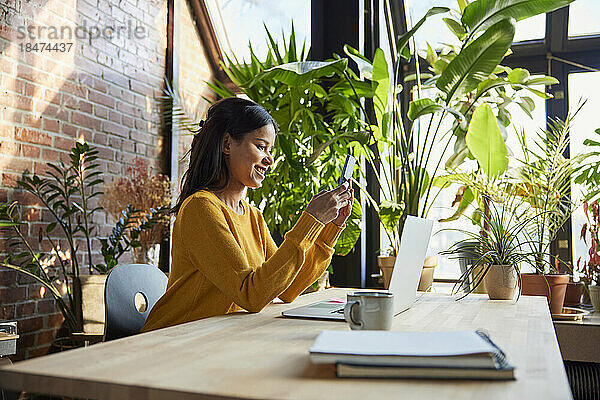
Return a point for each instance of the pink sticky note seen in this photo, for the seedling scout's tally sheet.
(336, 300)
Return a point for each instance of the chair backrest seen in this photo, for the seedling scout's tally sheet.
(123, 284)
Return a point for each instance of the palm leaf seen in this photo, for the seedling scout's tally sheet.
(481, 14)
(477, 61)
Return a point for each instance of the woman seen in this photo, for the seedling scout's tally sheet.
(224, 258)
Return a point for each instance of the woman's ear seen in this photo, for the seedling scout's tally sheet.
(227, 143)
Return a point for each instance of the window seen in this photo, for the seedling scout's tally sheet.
(531, 28)
(430, 31)
(583, 127)
(583, 18)
(241, 22)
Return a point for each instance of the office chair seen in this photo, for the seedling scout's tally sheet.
(124, 285)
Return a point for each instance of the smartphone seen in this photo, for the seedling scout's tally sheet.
(348, 169)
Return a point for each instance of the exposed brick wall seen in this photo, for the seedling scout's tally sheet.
(102, 90)
(194, 70)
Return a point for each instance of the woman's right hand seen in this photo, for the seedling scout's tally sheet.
(326, 205)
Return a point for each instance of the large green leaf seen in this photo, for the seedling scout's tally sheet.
(420, 107)
(351, 232)
(390, 214)
(485, 142)
(381, 84)
(477, 61)
(299, 73)
(403, 39)
(482, 14)
(364, 65)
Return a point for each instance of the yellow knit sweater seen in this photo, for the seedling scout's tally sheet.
(225, 262)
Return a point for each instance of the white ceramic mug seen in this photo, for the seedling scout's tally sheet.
(369, 310)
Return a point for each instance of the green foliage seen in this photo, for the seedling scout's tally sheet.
(502, 242)
(318, 123)
(476, 61)
(349, 236)
(312, 101)
(23, 259)
(460, 79)
(485, 141)
(403, 39)
(545, 175)
(589, 175)
(481, 14)
(65, 193)
(125, 234)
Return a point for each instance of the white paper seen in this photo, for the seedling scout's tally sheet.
(401, 343)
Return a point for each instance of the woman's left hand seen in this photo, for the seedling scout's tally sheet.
(345, 211)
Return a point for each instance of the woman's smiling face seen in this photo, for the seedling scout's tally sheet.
(249, 159)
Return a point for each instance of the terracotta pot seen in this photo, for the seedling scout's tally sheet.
(386, 265)
(573, 293)
(426, 280)
(595, 296)
(501, 282)
(537, 285)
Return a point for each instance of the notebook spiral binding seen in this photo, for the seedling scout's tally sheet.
(499, 355)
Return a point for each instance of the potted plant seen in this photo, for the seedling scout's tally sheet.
(544, 174)
(589, 271)
(462, 79)
(67, 195)
(499, 247)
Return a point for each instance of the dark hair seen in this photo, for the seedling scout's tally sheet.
(207, 168)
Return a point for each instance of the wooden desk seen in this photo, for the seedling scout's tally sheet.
(265, 356)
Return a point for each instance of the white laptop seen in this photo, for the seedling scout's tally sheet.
(405, 277)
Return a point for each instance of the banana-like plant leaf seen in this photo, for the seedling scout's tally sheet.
(455, 27)
(420, 107)
(364, 65)
(403, 39)
(542, 80)
(381, 83)
(482, 14)
(300, 72)
(351, 232)
(477, 61)
(485, 142)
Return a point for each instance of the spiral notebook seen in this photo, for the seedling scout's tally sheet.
(389, 354)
